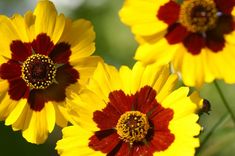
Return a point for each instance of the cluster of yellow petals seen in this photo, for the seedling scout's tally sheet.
(96, 81)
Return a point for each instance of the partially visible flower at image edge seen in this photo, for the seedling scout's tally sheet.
(132, 112)
(43, 57)
(196, 35)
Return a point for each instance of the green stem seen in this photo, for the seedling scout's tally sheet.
(220, 122)
(224, 101)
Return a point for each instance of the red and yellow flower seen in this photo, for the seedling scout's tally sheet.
(196, 35)
(43, 57)
(131, 112)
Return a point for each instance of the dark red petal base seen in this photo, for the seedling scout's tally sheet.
(225, 6)
(176, 33)
(158, 137)
(65, 74)
(169, 13)
(194, 42)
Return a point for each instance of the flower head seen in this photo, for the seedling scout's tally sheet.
(196, 35)
(131, 112)
(43, 56)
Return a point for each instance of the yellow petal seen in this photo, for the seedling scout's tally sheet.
(8, 33)
(222, 64)
(80, 35)
(106, 79)
(46, 16)
(17, 111)
(4, 85)
(23, 120)
(58, 28)
(136, 77)
(179, 99)
(19, 22)
(60, 118)
(126, 77)
(81, 108)
(6, 106)
(156, 53)
(177, 95)
(37, 130)
(29, 22)
(168, 87)
(85, 67)
(195, 97)
(50, 114)
(192, 70)
(184, 134)
(75, 142)
(141, 16)
(155, 76)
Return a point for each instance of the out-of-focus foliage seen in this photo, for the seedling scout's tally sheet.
(114, 40)
(116, 45)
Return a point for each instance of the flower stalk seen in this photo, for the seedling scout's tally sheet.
(225, 102)
(221, 121)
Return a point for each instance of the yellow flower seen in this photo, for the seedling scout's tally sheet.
(197, 36)
(43, 56)
(131, 112)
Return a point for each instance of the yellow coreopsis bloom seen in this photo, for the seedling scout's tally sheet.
(196, 35)
(43, 56)
(131, 112)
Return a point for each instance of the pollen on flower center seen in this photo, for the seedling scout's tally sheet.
(198, 15)
(132, 126)
(38, 71)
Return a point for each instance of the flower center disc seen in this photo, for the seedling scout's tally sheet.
(38, 71)
(132, 126)
(198, 15)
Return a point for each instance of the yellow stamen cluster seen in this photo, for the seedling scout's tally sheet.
(132, 126)
(198, 15)
(38, 71)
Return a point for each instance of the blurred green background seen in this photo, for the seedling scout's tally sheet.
(116, 44)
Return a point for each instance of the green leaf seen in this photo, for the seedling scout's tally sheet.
(221, 144)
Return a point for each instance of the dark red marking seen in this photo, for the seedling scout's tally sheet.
(194, 43)
(158, 138)
(65, 74)
(169, 13)
(176, 33)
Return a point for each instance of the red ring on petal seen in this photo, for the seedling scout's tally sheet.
(65, 74)
(105, 145)
(169, 12)
(144, 101)
(20, 51)
(194, 43)
(10, 70)
(61, 53)
(226, 6)
(56, 92)
(176, 33)
(42, 44)
(18, 89)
